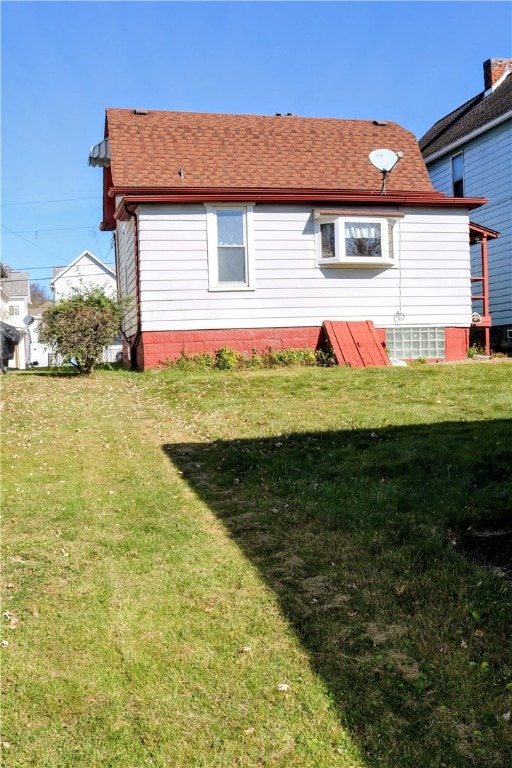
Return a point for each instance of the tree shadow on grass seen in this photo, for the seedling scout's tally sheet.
(351, 531)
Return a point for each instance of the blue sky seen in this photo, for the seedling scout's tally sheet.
(63, 63)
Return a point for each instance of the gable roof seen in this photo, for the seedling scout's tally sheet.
(471, 117)
(155, 149)
(17, 284)
(58, 272)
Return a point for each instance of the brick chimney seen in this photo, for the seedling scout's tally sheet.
(493, 70)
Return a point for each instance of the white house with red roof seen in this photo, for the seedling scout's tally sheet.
(252, 231)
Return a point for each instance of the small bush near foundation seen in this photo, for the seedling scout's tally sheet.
(325, 358)
(184, 362)
(227, 359)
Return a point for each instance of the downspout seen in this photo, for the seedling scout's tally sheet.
(134, 345)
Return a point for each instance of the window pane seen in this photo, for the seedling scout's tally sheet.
(362, 239)
(328, 246)
(231, 265)
(458, 176)
(457, 167)
(230, 227)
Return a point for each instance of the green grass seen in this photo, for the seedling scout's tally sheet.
(155, 525)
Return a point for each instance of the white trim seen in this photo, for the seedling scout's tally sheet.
(212, 245)
(72, 264)
(463, 139)
(340, 260)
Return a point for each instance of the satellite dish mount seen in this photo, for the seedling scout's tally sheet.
(384, 160)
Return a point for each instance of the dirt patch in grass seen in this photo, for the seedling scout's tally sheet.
(487, 546)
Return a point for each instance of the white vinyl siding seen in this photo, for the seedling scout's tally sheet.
(488, 173)
(125, 247)
(430, 285)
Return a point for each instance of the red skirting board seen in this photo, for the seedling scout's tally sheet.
(355, 344)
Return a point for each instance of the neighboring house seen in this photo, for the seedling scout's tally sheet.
(469, 152)
(15, 303)
(250, 231)
(40, 354)
(4, 298)
(85, 272)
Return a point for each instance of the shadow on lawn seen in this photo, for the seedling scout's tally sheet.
(350, 530)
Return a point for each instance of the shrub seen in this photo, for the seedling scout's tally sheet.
(81, 326)
(226, 359)
(184, 362)
(475, 349)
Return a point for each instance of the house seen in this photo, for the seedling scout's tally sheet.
(15, 289)
(469, 152)
(250, 231)
(40, 354)
(85, 272)
(4, 297)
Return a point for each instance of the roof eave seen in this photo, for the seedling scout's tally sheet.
(304, 196)
(456, 143)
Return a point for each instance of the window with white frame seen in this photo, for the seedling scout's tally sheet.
(14, 309)
(230, 252)
(354, 240)
(458, 175)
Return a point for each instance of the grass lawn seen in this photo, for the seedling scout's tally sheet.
(220, 569)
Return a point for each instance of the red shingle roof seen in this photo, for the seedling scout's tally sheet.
(148, 150)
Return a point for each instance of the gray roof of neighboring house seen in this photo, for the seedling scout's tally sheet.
(471, 116)
(17, 284)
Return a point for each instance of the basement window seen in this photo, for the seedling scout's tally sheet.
(354, 241)
(413, 343)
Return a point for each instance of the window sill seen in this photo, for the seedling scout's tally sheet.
(364, 263)
(225, 288)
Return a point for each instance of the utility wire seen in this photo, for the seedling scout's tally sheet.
(33, 244)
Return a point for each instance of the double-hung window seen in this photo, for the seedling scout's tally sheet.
(355, 240)
(230, 251)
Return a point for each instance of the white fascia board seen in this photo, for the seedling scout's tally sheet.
(464, 139)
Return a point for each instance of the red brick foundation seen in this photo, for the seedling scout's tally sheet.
(155, 347)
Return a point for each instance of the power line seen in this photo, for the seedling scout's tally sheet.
(33, 244)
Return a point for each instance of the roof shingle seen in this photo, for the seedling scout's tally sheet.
(469, 117)
(170, 150)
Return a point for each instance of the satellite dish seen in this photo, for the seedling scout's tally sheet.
(384, 160)
(28, 320)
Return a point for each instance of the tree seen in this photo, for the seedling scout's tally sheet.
(80, 327)
(39, 294)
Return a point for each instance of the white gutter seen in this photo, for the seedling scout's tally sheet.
(468, 137)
